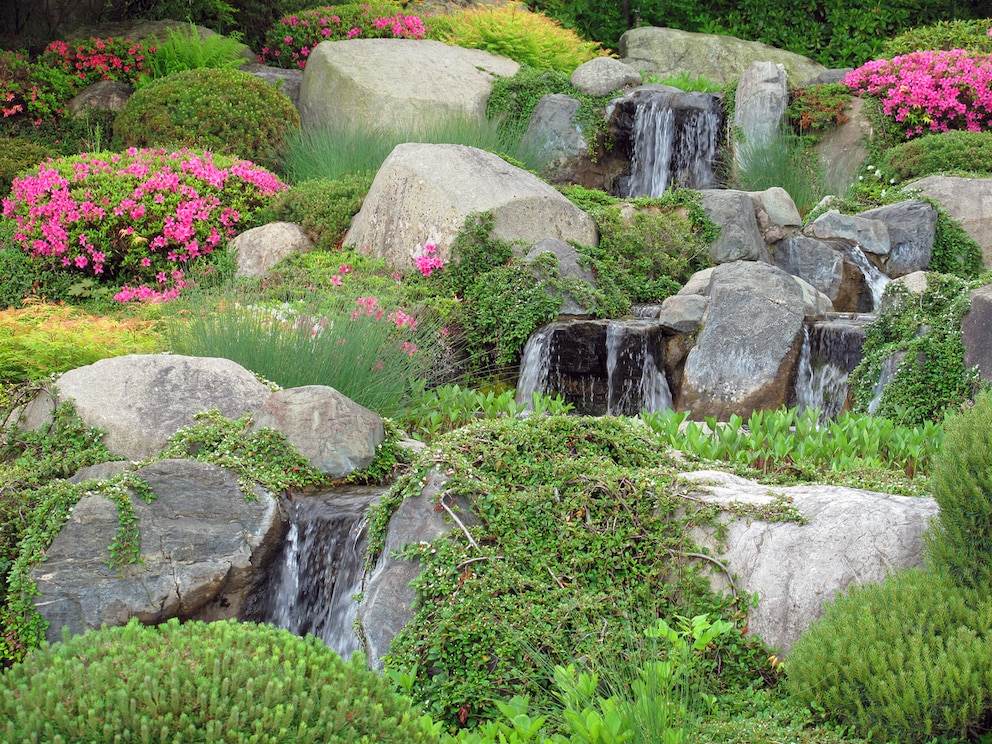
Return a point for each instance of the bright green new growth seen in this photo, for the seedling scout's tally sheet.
(907, 660)
(184, 49)
(961, 542)
(202, 682)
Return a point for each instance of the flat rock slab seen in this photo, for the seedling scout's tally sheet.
(201, 545)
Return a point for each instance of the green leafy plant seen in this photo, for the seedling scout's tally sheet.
(195, 681)
(961, 541)
(19, 156)
(815, 109)
(183, 49)
(224, 110)
(687, 82)
(41, 339)
(945, 153)
(907, 660)
(958, 33)
(512, 31)
(323, 208)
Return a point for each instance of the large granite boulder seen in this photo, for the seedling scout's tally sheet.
(423, 193)
(333, 432)
(829, 270)
(105, 95)
(912, 228)
(668, 52)
(603, 75)
(396, 84)
(759, 107)
(259, 249)
(967, 200)
(746, 352)
(850, 537)
(555, 135)
(872, 235)
(141, 400)
(201, 540)
(740, 238)
(976, 330)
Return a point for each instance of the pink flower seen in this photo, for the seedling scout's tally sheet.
(336, 280)
(353, 33)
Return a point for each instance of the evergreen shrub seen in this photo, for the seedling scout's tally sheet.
(945, 152)
(961, 541)
(907, 660)
(971, 35)
(201, 682)
(323, 208)
(224, 110)
(16, 157)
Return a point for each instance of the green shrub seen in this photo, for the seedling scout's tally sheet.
(908, 660)
(183, 50)
(510, 30)
(971, 35)
(323, 208)
(946, 152)
(687, 82)
(961, 541)
(227, 111)
(932, 378)
(816, 109)
(207, 682)
(18, 156)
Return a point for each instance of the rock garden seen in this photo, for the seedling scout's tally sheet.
(495, 373)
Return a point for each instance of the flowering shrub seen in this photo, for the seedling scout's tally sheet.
(933, 90)
(290, 41)
(36, 93)
(140, 218)
(94, 60)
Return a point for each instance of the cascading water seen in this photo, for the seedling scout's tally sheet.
(600, 367)
(673, 140)
(831, 350)
(310, 587)
(874, 278)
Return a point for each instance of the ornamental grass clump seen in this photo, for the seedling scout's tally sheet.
(931, 90)
(202, 682)
(138, 220)
(291, 40)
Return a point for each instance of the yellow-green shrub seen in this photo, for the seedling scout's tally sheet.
(513, 31)
(41, 339)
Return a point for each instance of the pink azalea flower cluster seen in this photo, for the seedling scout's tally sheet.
(290, 42)
(138, 218)
(428, 262)
(369, 307)
(930, 91)
(98, 59)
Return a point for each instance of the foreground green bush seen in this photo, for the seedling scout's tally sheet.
(940, 153)
(224, 110)
(907, 660)
(961, 542)
(197, 682)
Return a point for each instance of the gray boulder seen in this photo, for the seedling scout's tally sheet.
(759, 107)
(826, 269)
(976, 330)
(141, 400)
(912, 228)
(871, 235)
(967, 200)
(850, 537)
(288, 81)
(106, 95)
(740, 239)
(604, 75)
(667, 52)
(257, 250)
(778, 205)
(683, 313)
(841, 150)
(747, 350)
(396, 84)
(567, 261)
(201, 544)
(554, 133)
(423, 194)
(333, 432)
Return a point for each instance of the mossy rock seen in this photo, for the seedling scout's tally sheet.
(224, 110)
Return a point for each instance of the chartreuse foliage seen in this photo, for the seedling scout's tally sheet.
(961, 541)
(907, 660)
(923, 334)
(183, 49)
(202, 682)
(578, 536)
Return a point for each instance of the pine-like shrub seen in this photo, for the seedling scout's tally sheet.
(18, 156)
(906, 660)
(324, 209)
(223, 110)
(961, 541)
(201, 682)
(513, 31)
(940, 153)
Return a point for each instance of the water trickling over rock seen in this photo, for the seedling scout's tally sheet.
(831, 350)
(670, 137)
(599, 366)
(874, 277)
(311, 584)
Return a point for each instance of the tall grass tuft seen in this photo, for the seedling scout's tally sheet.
(332, 151)
(785, 161)
(364, 352)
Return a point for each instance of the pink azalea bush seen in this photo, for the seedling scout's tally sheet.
(139, 219)
(428, 262)
(94, 60)
(293, 37)
(930, 91)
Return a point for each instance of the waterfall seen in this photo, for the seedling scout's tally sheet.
(874, 278)
(311, 584)
(674, 139)
(534, 366)
(831, 350)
